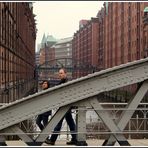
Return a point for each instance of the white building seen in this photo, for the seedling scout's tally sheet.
(63, 48)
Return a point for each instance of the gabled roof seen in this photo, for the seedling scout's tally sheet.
(64, 40)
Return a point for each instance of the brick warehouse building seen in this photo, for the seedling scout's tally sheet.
(17, 50)
(123, 29)
(118, 36)
(85, 47)
(122, 32)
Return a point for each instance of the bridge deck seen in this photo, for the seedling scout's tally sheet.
(91, 142)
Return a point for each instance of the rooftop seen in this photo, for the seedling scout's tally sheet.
(50, 38)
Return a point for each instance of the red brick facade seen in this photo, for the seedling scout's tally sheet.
(46, 54)
(145, 33)
(123, 32)
(85, 46)
(115, 37)
(17, 50)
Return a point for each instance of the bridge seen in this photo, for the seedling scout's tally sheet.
(82, 93)
(50, 68)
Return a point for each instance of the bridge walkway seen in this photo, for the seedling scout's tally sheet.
(91, 142)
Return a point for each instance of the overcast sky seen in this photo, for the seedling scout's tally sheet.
(61, 18)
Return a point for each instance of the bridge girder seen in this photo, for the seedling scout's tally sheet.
(82, 89)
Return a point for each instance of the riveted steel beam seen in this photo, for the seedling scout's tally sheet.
(15, 130)
(81, 125)
(127, 114)
(104, 116)
(73, 91)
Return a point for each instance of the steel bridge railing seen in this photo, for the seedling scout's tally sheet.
(137, 127)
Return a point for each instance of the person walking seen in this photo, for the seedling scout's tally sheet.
(67, 116)
(42, 119)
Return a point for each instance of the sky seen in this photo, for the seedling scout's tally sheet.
(61, 18)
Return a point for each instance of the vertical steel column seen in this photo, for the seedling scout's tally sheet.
(2, 141)
(81, 125)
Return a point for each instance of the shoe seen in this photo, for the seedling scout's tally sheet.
(71, 143)
(48, 141)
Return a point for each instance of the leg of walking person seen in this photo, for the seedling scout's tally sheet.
(72, 126)
(54, 136)
(38, 122)
(45, 120)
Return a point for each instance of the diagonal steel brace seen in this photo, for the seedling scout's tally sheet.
(52, 123)
(104, 116)
(127, 114)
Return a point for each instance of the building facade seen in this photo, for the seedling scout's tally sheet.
(101, 32)
(46, 53)
(123, 32)
(118, 36)
(145, 32)
(17, 50)
(63, 48)
(53, 56)
(63, 51)
(85, 47)
(82, 23)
